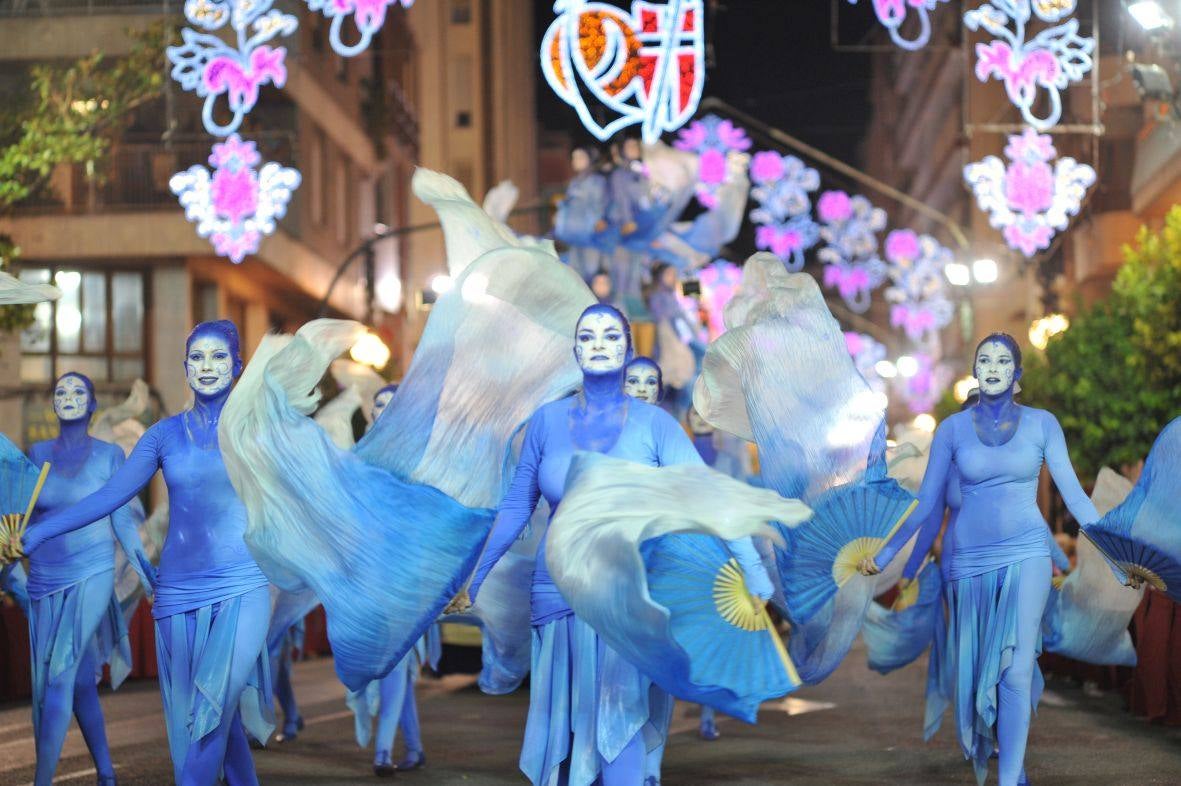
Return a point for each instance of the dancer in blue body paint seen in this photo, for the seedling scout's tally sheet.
(592, 715)
(75, 623)
(391, 698)
(1000, 563)
(212, 602)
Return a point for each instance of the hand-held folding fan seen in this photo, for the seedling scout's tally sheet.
(730, 637)
(21, 485)
(1141, 537)
(849, 523)
(897, 636)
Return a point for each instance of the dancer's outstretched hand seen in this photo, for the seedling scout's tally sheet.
(459, 604)
(1134, 581)
(867, 567)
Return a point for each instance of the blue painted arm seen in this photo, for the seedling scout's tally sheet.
(517, 507)
(931, 494)
(1062, 471)
(928, 531)
(123, 485)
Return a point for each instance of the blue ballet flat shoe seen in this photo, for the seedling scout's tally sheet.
(107, 780)
(299, 723)
(1023, 780)
(709, 731)
(413, 760)
(383, 765)
(651, 780)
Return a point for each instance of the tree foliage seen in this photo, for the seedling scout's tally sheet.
(1114, 378)
(72, 112)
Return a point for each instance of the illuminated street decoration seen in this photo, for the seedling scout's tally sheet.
(892, 13)
(849, 227)
(235, 205)
(1050, 60)
(368, 16)
(922, 390)
(918, 291)
(719, 282)
(646, 67)
(711, 138)
(867, 352)
(782, 185)
(1029, 200)
(208, 66)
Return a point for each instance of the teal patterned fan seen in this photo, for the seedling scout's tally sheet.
(19, 488)
(732, 642)
(849, 523)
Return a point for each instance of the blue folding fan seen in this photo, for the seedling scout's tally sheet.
(19, 488)
(896, 636)
(1141, 536)
(849, 523)
(731, 641)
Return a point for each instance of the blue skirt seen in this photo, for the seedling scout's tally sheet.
(57, 639)
(586, 703)
(981, 638)
(195, 652)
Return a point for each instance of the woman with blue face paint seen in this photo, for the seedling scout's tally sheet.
(391, 698)
(999, 568)
(75, 622)
(592, 715)
(212, 601)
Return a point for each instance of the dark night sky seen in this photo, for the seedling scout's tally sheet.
(772, 59)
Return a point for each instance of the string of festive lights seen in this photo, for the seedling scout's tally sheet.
(849, 228)
(892, 14)
(711, 138)
(782, 186)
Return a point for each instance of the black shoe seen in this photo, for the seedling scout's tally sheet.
(413, 761)
(255, 744)
(383, 765)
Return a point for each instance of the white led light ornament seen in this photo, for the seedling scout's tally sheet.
(849, 227)
(892, 13)
(1051, 60)
(646, 67)
(1028, 199)
(368, 16)
(712, 139)
(782, 186)
(236, 205)
(918, 294)
(208, 66)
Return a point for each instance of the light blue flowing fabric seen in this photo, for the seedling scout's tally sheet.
(781, 376)
(601, 544)
(1087, 618)
(894, 639)
(1145, 529)
(401, 519)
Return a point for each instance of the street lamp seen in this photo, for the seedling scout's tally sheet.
(1149, 15)
(441, 283)
(907, 366)
(958, 274)
(885, 369)
(964, 387)
(924, 422)
(982, 271)
(1043, 329)
(985, 271)
(370, 351)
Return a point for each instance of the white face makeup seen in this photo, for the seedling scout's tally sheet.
(380, 402)
(995, 368)
(641, 382)
(600, 343)
(71, 399)
(209, 366)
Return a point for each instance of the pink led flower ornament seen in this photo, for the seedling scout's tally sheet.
(921, 391)
(712, 138)
(866, 351)
(782, 186)
(892, 13)
(208, 66)
(918, 291)
(1050, 61)
(850, 226)
(235, 205)
(368, 17)
(719, 283)
(645, 66)
(1034, 195)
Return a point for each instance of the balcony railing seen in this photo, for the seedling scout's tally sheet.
(33, 8)
(135, 175)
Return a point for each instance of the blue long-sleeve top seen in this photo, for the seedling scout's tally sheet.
(76, 471)
(650, 436)
(999, 522)
(204, 559)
